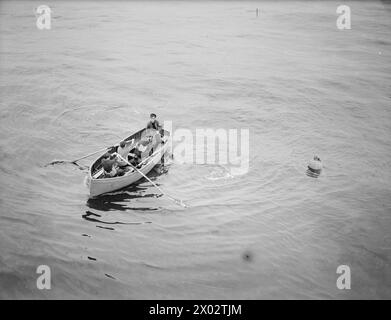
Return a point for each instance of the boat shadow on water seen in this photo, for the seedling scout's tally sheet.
(125, 200)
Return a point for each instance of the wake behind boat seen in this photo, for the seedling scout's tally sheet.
(98, 181)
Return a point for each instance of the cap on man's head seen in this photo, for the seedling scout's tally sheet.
(152, 115)
(106, 155)
(122, 144)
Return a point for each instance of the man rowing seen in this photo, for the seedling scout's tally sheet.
(114, 165)
(108, 163)
(125, 147)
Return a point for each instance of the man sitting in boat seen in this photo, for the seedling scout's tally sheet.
(134, 157)
(125, 147)
(140, 151)
(108, 163)
(122, 164)
(136, 153)
(114, 165)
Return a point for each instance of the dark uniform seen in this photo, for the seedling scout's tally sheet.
(153, 125)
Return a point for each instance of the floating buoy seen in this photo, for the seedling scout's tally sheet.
(315, 165)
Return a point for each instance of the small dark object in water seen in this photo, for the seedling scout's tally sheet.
(247, 256)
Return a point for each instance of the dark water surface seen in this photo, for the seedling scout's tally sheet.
(302, 86)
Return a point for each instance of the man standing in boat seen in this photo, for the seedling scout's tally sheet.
(154, 124)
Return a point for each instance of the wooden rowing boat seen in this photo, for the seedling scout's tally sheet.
(99, 184)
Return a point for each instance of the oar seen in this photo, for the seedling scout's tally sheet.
(86, 156)
(177, 201)
(76, 160)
